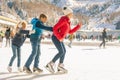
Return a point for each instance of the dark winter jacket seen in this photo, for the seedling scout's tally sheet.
(20, 37)
(104, 34)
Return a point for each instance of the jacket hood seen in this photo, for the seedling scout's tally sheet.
(34, 20)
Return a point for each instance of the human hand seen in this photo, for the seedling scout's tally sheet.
(80, 23)
(31, 31)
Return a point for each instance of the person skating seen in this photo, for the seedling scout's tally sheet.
(20, 34)
(7, 36)
(35, 39)
(104, 36)
(60, 31)
(70, 37)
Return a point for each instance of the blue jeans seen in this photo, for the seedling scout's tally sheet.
(16, 52)
(35, 42)
(61, 50)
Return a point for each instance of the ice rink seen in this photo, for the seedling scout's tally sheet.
(82, 62)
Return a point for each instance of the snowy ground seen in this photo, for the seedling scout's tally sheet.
(82, 62)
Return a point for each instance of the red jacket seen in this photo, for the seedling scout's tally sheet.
(61, 29)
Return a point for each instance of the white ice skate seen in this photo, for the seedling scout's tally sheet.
(50, 68)
(19, 69)
(9, 68)
(61, 69)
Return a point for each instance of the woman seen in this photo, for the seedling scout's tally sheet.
(60, 30)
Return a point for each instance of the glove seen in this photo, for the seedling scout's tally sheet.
(31, 32)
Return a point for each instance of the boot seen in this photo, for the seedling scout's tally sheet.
(9, 68)
(50, 67)
(61, 68)
(27, 70)
(19, 69)
(35, 69)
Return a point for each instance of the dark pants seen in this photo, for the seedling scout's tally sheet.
(7, 42)
(61, 50)
(103, 42)
(35, 42)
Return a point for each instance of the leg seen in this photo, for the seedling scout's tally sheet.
(32, 56)
(104, 43)
(34, 51)
(60, 48)
(19, 56)
(36, 62)
(14, 48)
(19, 59)
(63, 56)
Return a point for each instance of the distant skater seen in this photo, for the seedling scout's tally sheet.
(104, 36)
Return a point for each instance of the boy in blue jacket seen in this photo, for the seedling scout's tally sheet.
(35, 39)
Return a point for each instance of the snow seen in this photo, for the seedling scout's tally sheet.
(82, 62)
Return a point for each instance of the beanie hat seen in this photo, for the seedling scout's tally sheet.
(67, 10)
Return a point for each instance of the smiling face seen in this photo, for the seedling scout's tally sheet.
(70, 15)
(44, 19)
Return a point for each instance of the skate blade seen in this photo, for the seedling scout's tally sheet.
(49, 70)
(57, 73)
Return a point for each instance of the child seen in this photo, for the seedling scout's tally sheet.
(20, 35)
(35, 39)
(60, 31)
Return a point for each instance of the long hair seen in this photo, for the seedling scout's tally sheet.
(20, 26)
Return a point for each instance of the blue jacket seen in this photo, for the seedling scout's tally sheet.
(38, 26)
(38, 31)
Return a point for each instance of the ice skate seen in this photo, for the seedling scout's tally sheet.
(37, 70)
(61, 69)
(9, 69)
(27, 70)
(50, 68)
(19, 69)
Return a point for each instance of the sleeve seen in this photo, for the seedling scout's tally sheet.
(41, 26)
(75, 29)
(24, 31)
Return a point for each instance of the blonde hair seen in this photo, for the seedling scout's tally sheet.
(21, 25)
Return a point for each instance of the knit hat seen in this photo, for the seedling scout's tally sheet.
(67, 10)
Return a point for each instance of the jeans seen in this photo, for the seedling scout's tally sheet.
(61, 50)
(16, 52)
(35, 43)
(103, 42)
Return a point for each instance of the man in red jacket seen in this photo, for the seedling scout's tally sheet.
(60, 30)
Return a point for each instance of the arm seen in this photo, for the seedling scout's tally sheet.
(40, 25)
(75, 28)
(24, 31)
